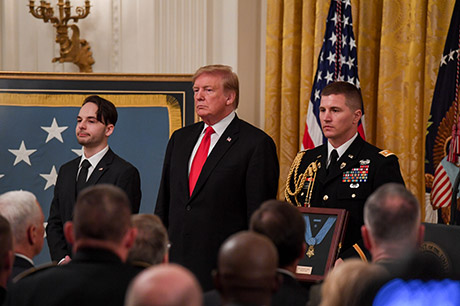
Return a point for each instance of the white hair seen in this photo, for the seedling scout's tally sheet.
(21, 209)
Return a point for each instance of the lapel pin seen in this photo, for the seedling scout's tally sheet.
(100, 169)
(342, 165)
(229, 139)
(350, 156)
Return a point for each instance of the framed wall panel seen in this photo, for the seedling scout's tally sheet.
(38, 116)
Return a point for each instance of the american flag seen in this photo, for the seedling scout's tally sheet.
(337, 61)
(443, 131)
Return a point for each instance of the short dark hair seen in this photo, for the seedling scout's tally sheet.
(284, 225)
(106, 110)
(392, 213)
(6, 239)
(229, 78)
(353, 97)
(102, 212)
(151, 241)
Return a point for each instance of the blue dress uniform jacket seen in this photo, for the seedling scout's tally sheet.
(239, 174)
(360, 171)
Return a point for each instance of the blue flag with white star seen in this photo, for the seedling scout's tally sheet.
(37, 133)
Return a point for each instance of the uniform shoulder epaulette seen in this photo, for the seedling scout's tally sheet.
(386, 153)
(300, 154)
(34, 270)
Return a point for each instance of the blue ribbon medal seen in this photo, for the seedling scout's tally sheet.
(312, 241)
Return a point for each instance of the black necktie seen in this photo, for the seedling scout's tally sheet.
(83, 175)
(333, 160)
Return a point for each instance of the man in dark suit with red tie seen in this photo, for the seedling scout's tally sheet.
(215, 174)
(97, 165)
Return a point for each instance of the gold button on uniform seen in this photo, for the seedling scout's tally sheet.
(325, 197)
(353, 195)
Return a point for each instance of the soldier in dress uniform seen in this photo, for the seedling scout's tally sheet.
(343, 172)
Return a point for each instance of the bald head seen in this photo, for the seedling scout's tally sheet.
(165, 285)
(247, 265)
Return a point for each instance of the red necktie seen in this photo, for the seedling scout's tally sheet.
(200, 158)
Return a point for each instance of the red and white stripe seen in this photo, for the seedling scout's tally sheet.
(441, 192)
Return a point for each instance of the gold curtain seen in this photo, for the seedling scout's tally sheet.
(399, 43)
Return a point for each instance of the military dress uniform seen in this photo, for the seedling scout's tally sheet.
(357, 173)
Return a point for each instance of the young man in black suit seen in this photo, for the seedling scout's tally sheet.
(98, 165)
(201, 208)
(101, 234)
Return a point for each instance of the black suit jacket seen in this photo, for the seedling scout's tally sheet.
(290, 292)
(93, 277)
(334, 190)
(20, 265)
(112, 169)
(239, 174)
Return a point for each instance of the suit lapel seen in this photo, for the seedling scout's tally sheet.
(101, 168)
(226, 141)
(322, 158)
(73, 173)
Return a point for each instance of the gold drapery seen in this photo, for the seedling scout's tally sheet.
(399, 43)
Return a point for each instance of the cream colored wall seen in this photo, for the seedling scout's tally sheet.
(149, 36)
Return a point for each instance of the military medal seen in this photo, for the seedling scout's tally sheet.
(313, 241)
(311, 247)
(356, 175)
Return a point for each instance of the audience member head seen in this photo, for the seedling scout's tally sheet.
(165, 285)
(6, 251)
(25, 216)
(151, 245)
(347, 283)
(102, 219)
(246, 269)
(284, 225)
(353, 98)
(392, 225)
